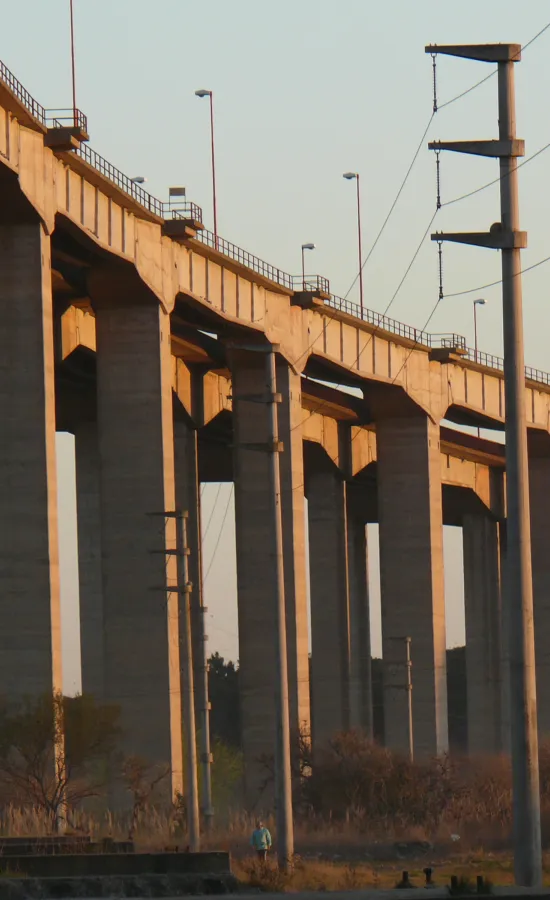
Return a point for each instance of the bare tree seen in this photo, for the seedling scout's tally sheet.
(141, 778)
(54, 751)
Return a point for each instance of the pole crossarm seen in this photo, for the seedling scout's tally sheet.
(495, 239)
(513, 147)
(491, 53)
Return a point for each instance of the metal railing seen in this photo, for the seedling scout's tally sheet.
(385, 323)
(187, 210)
(36, 110)
(497, 362)
(66, 118)
(122, 181)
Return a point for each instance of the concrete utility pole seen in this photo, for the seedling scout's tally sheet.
(189, 730)
(407, 686)
(283, 775)
(506, 237)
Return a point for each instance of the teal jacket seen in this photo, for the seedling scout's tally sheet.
(261, 839)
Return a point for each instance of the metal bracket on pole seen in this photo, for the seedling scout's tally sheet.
(513, 147)
(494, 53)
(495, 239)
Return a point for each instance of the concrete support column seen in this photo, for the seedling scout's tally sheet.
(136, 443)
(482, 602)
(89, 559)
(539, 485)
(412, 585)
(30, 620)
(256, 563)
(330, 600)
(360, 646)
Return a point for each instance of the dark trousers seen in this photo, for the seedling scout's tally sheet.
(262, 854)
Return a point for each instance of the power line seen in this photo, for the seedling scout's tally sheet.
(394, 204)
(212, 558)
(496, 180)
(491, 284)
(415, 156)
(212, 513)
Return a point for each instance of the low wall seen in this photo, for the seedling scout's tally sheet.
(116, 864)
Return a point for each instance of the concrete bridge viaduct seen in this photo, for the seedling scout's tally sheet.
(120, 317)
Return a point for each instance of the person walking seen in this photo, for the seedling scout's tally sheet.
(261, 840)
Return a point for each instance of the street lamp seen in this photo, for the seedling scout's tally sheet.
(305, 247)
(209, 94)
(139, 179)
(73, 68)
(479, 302)
(350, 176)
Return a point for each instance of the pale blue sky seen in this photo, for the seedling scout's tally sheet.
(304, 90)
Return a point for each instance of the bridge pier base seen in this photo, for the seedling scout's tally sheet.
(484, 639)
(256, 566)
(30, 617)
(412, 587)
(134, 396)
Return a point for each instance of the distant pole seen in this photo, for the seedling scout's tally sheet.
(73, 66)
(213, 150)
(354, 176)
(186, 662)
(479, 302)
(303, 269)
(283, 775)
(525, 764)
(409, 688)
(360, 243)
(204, 93)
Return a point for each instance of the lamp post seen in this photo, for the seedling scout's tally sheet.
(73, 67)
(138, 179)
(479, 302)
(304, 248)
(350, 176)
(209, 94)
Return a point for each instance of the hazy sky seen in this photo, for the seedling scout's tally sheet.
(304, 90)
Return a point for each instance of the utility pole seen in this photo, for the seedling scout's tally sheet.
(407, 686)
(189, 730)
(283, 774)
(506, 237)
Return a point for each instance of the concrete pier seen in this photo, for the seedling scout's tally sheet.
(330, 599)
(256, 565)
(142, 668)
(484, 646)
(30, 624)
(88, 505)
(539, 484)
(411, 576)
(360, 643)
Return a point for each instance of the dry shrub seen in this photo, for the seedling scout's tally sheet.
(384, 793)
